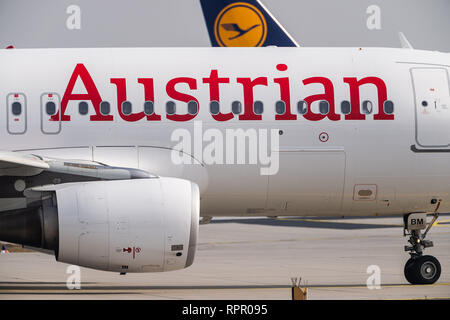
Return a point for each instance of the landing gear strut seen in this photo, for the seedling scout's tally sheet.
(420, 269)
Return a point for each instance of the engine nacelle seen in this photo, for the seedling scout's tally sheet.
(141, 225)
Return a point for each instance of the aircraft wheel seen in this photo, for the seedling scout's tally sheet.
(422, 270)
(409, 271)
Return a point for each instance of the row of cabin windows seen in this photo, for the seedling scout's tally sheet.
(214, 106)
(302, 107)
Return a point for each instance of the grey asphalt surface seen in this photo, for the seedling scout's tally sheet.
(253, 258)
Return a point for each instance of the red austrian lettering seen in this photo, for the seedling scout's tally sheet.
(122, 96)
(354, 85)
(248, 85)
(214, 95)
(149, 95)
(285, 95)
(91, 95)
(183, 97)
(327, 96)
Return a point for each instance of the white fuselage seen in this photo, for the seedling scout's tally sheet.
(379, 164)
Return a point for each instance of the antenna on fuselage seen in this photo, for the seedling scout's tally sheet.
(404, 41)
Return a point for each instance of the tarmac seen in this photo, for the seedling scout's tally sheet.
(254, 259)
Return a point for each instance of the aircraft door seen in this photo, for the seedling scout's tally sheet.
(50, 105)
(16, 113)
(432, 100)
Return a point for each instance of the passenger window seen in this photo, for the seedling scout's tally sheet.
(170, 107)
(16, 108)
(236, 107)
(345, 107)
(148, 108)
(258, 107)
(192, 107)
(324, 107)
(126, 108)
(83, 108)
(50, 108)
(214, 107)
(105, 108)
(280, 107)
(367, 107)
(388, 107)
(302, 107)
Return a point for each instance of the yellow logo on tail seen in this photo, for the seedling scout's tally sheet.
(240, 25)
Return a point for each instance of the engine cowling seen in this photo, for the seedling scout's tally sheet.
(142, 225)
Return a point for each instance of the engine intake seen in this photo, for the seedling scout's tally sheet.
(36, 226)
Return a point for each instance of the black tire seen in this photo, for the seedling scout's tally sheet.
(410, 271)
(422, 270)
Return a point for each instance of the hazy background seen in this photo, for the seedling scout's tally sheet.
(120, 23)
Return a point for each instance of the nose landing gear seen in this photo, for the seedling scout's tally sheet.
(420, 269)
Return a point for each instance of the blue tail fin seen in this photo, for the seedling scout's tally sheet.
(243, 23)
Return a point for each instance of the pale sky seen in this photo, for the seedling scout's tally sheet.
(147, 23)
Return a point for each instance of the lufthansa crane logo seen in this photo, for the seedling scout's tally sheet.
(240, 25)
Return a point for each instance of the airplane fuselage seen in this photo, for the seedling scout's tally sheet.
(374, 148)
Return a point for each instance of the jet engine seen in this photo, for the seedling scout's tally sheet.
(140, 225)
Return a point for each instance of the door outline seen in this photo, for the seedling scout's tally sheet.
(58, 112)
(416, 125)
(24, 111)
